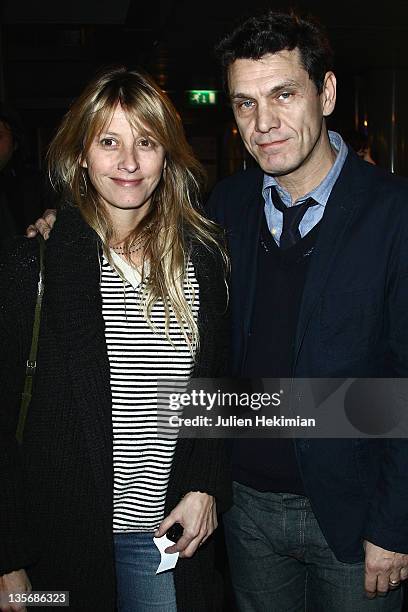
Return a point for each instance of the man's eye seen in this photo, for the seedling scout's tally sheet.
(285, 95)
(247, 104)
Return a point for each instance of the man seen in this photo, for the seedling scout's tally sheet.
(319, 293)
(319, 288)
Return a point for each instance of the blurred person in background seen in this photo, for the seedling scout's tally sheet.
(24, 191)
(359, 142)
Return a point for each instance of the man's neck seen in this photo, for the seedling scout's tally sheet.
(312, 172)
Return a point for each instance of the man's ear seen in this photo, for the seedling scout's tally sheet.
(328, 95)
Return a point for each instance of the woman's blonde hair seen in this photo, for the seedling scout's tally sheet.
(174, 219)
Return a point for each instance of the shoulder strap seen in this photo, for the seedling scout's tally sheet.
(32, 359)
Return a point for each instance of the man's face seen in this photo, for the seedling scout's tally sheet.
(279, 112)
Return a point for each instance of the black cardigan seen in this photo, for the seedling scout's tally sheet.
(56, 502)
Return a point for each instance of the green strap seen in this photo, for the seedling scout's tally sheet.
(32, 360)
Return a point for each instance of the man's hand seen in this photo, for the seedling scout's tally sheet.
(196, 512)
(384, 569)
(43, 225)
(15, 582)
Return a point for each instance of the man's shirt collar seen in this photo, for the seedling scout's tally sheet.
(322, 192)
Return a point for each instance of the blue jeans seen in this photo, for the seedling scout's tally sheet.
(139, 588)
(280, 561)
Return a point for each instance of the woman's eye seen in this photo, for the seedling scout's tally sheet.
(145, 142)
(108, 142)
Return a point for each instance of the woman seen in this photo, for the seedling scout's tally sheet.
(134, 291)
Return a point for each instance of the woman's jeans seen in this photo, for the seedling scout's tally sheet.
(280, 560)
(139, 588)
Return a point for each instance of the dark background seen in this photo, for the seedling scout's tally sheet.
(50, 50)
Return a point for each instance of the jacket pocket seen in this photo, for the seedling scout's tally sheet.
(350, 323)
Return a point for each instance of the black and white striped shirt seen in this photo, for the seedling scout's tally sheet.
(138, 357)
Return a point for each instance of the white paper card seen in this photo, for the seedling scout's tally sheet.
(168, 561)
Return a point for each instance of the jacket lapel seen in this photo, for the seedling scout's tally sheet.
(243, 280)
(341, 208)
(249, 252)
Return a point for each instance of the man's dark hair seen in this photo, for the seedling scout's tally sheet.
(274, 32)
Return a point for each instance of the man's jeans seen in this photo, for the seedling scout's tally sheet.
(280, 560)
(139, 588)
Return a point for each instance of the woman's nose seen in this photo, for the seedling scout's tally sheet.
(128, 160)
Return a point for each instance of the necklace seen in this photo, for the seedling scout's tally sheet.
(121, 251)
(133, 249)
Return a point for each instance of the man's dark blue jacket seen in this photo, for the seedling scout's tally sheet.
(353, 322)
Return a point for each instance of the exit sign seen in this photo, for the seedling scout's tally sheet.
(202, 97)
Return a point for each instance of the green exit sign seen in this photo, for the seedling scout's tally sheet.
(202, 97)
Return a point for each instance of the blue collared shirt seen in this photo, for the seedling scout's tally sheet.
(321, 194)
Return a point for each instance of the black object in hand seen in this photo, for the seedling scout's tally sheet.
(175, 532)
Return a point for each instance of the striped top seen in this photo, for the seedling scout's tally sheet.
(138, 357)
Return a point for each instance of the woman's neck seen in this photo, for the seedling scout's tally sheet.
(124, 222)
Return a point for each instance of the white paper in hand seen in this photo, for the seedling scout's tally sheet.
(168, 561)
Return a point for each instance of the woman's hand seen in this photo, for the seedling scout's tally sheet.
(15, 582)
(196, 512)
(43, 225)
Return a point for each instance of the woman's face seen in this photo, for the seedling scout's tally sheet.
(124, 165)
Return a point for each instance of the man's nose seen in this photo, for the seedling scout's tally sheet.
(266, 117)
